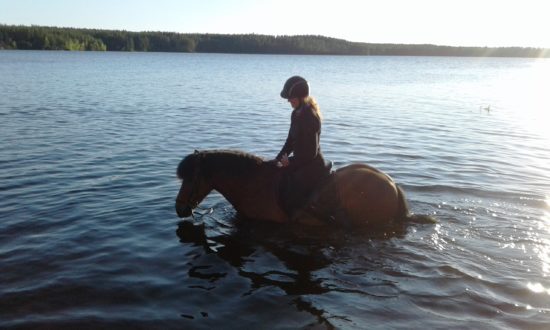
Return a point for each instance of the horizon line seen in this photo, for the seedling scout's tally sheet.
(272, 35)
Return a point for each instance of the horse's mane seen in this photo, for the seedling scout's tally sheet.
(225, 161)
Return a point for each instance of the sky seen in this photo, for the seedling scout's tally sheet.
(491, 23)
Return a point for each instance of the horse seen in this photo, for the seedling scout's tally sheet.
(356, 195)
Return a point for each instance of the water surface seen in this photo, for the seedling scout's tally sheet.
(88, 232)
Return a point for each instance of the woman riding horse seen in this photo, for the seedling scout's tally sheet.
(356, 194)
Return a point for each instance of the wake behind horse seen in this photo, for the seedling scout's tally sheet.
(356, 194)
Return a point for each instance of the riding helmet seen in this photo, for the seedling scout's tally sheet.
(295, 86)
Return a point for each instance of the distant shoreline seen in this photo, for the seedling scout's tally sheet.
(55, 38)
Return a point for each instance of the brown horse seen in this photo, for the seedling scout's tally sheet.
(356, 194)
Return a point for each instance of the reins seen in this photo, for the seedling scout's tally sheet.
(193, 202)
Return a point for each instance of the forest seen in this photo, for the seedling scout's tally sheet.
(55, 38)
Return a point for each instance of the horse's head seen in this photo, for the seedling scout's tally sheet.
(194, 186)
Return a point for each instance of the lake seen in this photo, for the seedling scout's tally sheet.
(89, 237)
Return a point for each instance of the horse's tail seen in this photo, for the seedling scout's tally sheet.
(402, 207)
(403, 213)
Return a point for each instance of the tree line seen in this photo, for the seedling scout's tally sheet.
(54, 38)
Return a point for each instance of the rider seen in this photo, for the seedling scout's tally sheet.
(306, 166)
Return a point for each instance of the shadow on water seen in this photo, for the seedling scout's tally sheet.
(246, 239)
(299, 251)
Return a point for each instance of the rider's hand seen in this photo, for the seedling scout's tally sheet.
(284, 160)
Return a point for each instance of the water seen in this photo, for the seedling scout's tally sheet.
(88, 232)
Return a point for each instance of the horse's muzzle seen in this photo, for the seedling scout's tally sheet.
(183, 211)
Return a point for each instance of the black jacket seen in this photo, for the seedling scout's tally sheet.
(303, 139)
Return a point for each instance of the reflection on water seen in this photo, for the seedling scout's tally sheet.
(301, 261)
(543, 250)
(538, 288)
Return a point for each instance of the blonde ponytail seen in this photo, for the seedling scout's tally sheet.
(313, 103)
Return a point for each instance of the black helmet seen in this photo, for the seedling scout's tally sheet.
(295, 86)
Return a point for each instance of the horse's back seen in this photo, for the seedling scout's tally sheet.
(361, 193)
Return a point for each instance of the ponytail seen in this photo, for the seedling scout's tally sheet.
(309, 100)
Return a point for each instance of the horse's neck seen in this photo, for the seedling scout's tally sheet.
(249, 194)
(236, 189)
